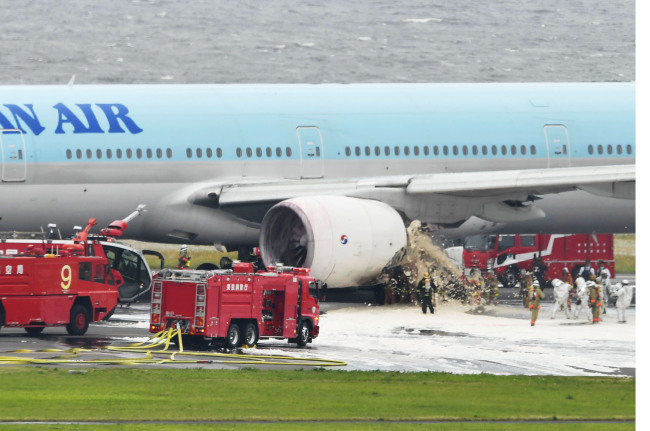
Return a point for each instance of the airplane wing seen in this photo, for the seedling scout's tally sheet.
(466, 184)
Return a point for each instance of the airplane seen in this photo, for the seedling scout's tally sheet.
(324, 176)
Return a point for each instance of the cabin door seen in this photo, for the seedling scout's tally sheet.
(311, 152)
(12, 151)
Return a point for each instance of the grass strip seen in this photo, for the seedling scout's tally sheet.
(41, 394)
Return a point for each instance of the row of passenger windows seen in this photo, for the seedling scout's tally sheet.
(610, 149)
(444, 150)
(189, 152)
(367, 151)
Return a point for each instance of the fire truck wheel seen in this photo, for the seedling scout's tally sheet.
(304, 332)
(233, 338)
(250, 335)
(34, 330)
(79, 320)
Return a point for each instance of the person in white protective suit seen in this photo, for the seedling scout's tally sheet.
(583, 299)
(561, 295)
(623, 293)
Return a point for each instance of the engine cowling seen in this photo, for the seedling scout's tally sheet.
(344, 241)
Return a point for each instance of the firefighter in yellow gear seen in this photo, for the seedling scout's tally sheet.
(535, 294)
(595, 300)
(491, 288)
(183, 258)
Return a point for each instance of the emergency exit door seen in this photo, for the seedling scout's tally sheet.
(12, 151)
(558, 146)
(311, 152)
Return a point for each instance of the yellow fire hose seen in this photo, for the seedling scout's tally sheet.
(151, 349)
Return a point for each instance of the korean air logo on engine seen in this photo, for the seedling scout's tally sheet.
(344, 239)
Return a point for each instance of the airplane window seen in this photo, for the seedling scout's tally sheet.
(68, 154)
(474, 150)
(426, 150)
(523, 150)
(387, 150)
(208, 152)
(357, 151)
(533, 150)
(89, 154)
(219, 152)
(269, 152)
(416, 150)
(199, 153)
(377, 151)
(619, 149)
(169, 153)
(129, 153)
(455, 149)
(118, 153)
(465, 150)
(600, 149)
(149, 153)
(629, 149)
(609, 149)
(504, 150)
(138, 153)
(484, 148)
(258, 152)
(348, 152)
(278, 152)
(407, 150)
(79, 154)
(288, 152)
(99, 154)
(445, 150)
(159, 153)
(494, 150)
(189, 153)
(397, 151)
(109, 154)
(513, 150)
(249, 152)
(367, 151)
(435, 150)
(590, 148)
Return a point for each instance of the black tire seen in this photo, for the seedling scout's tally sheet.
(233, 337)
(79, 320)
(2, 316)
(304, 333)
(251, 335)
(510, 277)
(207, 267)
(34, 330)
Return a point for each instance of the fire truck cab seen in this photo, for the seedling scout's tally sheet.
(238, 306)
(38, 290)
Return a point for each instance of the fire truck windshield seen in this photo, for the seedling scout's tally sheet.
(480, 242)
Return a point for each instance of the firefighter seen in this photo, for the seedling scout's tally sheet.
(561, 295)
(427, 288)
(535, 294)
(606, 281)
(587, 271)
(491, 287)
(595, 300)
(566, 278)
(623, 294)
(183, 258)
(582, 300)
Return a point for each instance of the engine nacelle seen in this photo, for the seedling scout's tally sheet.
(344, 241)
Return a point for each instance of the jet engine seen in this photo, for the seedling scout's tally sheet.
(344, 241)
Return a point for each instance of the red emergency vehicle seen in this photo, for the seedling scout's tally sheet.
(237, 306)
(508, 254)
(39, 290)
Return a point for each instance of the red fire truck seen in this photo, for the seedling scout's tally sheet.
(130, 262)
(238, 306)
(508, 254)
(38, 290)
